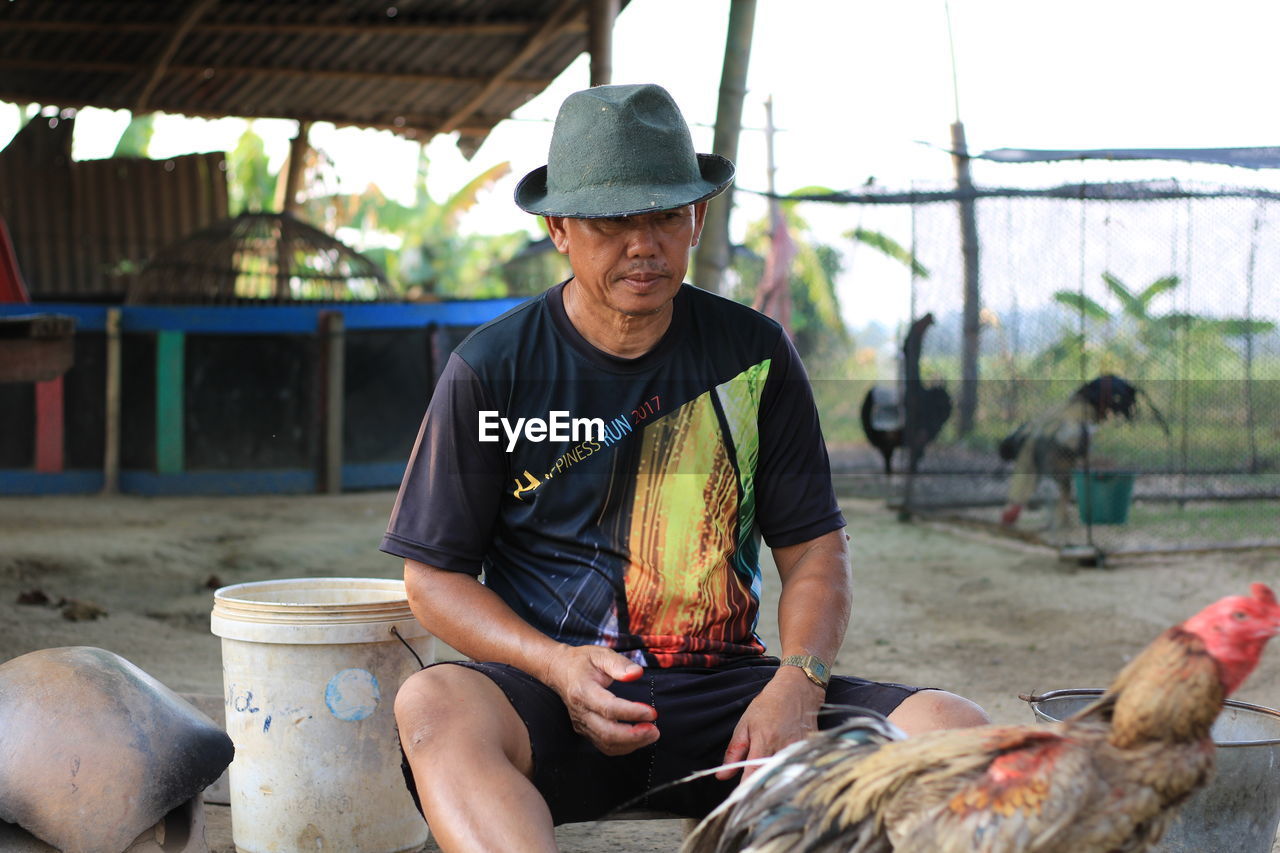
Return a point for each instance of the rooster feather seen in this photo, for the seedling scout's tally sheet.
(1107, 780)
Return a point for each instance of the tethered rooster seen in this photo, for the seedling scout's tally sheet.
(1108, 779)
(1052, 444)
(923, 410)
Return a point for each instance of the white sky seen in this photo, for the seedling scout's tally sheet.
(856, 86)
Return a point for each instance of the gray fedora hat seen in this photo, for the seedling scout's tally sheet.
(619, 151)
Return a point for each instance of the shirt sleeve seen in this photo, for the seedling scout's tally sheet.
(445, 512)
(795, 497)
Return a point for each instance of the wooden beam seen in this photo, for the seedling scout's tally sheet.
(210, 71)
(333, 360)
(601, 14)
(50, 426)
(551, 27)
(417, 126)
(188, 20)
(111, 429)
(967, 405)
(298, 148)
(378, 29)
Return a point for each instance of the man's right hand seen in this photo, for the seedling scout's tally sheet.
(580, 675)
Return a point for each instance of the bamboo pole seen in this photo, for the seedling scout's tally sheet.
(1250, 418)
(712, 257)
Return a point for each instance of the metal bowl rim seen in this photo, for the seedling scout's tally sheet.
(1095, 692)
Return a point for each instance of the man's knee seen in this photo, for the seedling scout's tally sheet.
(930, 710)
(432, 701)
(442, 708)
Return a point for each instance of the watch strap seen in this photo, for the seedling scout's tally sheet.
(815, 668)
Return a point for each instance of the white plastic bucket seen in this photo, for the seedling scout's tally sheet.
(310, 670)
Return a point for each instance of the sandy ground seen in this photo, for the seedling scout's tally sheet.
(945, 605)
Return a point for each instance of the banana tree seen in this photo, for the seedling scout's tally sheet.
(434, 257)
(1136, 339)
(815, 304)
(135, 139)
(816, 314)
(250, 184)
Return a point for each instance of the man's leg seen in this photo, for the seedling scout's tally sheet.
(472, 761)
(929, 710)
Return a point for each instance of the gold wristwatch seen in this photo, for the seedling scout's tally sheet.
(814, 667)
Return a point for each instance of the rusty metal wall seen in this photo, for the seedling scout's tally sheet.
(82, 230)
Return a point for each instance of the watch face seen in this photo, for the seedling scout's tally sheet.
(819, 669)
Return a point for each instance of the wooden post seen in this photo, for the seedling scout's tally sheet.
(712, 257)
(50, 427)
(600, 17)
(298, 148)
(968, 403)
(170, 379)
(289, 207)
(111, 427)
(333, 347)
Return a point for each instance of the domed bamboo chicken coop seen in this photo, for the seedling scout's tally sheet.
(258, 258)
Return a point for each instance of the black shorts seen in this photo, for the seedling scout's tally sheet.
(698, 709)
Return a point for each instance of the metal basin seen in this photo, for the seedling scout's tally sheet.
(1239, 809)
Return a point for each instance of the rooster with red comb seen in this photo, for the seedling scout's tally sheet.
(1107, 780)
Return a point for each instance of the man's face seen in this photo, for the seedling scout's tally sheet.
(630, 264)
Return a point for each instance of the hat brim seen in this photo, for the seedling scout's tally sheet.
(599, 202)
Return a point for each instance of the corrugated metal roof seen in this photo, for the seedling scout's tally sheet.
(418, 67)
(84, 229)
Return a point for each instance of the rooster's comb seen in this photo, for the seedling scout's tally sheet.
(1263, 593)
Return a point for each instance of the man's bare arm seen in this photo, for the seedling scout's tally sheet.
(813, 613)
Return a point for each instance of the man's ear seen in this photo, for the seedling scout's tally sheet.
(699, 219)
(558, 232)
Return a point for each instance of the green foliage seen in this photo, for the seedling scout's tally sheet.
(815, 305)
(1138, 340)
(1082, 304)
(250, 184)
(889, 247)
(434, 258)
(136, 138)
(817, 327)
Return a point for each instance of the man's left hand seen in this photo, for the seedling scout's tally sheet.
(785, 711)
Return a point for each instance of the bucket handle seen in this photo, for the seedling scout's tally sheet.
(421, 665)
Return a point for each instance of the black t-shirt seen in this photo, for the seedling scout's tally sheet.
(615, 501)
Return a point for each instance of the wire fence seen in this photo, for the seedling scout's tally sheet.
(1171, 286)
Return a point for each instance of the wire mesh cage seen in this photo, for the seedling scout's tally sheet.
(258, 258)
(1164, 284)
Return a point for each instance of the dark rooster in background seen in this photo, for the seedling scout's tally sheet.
(1052, 444)
(915, 420)
(1108, 779)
